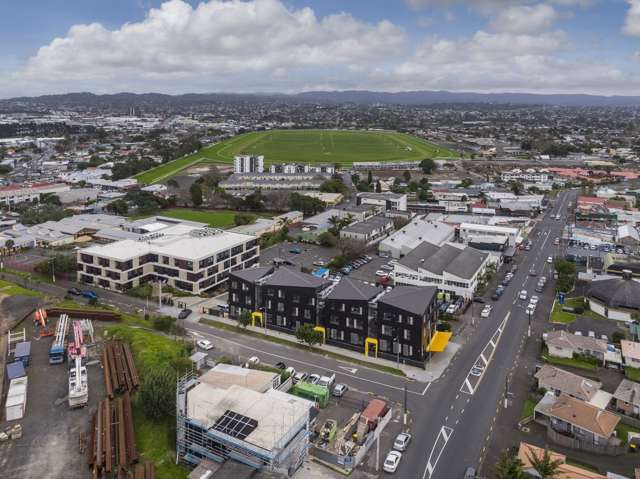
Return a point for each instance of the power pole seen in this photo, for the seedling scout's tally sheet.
(53, 269)
(405, 405)
(506, 391)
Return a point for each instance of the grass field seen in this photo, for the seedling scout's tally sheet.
(307, 146)
(214, 218)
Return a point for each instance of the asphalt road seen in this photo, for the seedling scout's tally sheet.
(454, 419)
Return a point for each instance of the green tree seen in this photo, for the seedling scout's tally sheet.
(334, 185)
(378, 187)
(119, 207)
(466, 183)
(427, 165)
(327, 239)
(544, 465)
(509, 467)
(157, 393)
(307, 334)
(244, 319)
(516, 187)
(4, 169)
(196, 194)
(406, 175)
(243, 219)
(369, 177)
(9, 244)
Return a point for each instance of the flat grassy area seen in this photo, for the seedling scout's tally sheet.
(570, 362)
(294, 344)
(214, 218)
(155, 440)
(623, 430)
(12, 289)
(632, 373)
(309, 146)
(559, 316)
(527, 409)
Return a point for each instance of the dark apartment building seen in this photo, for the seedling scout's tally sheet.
(244, 294)
(406, 322)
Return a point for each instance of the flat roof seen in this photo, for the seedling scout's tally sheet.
(224, 376)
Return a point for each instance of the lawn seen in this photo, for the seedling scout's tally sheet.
(307, 146)
(632, 373)
(527, 409)
(623, 430)
(569, 362)
(12, 289)
(214, 218)
(559, 316)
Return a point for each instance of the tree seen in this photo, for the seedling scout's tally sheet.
(466, 183)
(307, 334)
(378, 187)
(327, 239)
(244, 319)
(173, 183)
(196, 194)
(516, 187)
(543, 464)
(157, 393)
(59, 264)
(118, 207)
(427, 165)
(509, 467)
(4, 169)
(9, 244)
(369, 177)
(400, 222)
(334, 185)
(243, 219)
(406, 175)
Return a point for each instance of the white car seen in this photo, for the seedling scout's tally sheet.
(402, 441)
(534, 300)
(530, 310)
(313, 378)
(451, 309)
(486, 312)
(549, 260)
(204, 344)
(392, 461)
(381, 273)
(523, 294)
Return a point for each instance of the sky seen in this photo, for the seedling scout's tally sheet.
(288, 46)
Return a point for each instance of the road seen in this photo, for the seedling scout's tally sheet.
(454, 419)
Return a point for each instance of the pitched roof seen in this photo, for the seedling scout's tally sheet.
(584, 415)
(566, 382)
(628, 391)
(461, 262)
(617, 292)
(413, 299)
(351, 289)
(565, 340)
(565, 471)
(252, 274)
(294, 278)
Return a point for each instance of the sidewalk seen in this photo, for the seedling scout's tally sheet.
(433, 371)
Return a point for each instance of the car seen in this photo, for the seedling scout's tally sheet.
(291, 371)
(74, 291)
(392, 460)
(386, 267)
(326, 381)
(300, 376)
(295, 250)
(523, 294)
(204, 344)
(530, 310)
(619, 251)
(346, 270)
(184, 313)
(401, 442)
(556, 241)
(485, 313)
(534, 300)
(313, 378)
(451, 309)
(533, 273)
(280, 365)
(469, 473)
(527, 247)
(320, 263)
(252, 361)
(339, 390)
(89, 294)
(604, 337)
(577, 333)
(476, 371)
(478, 299)
(549, 260)
(381, 273)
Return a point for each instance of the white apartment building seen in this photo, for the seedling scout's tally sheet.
(469, 231)
(530, 174)
(388, 201)
(248, 164)
(185, 256)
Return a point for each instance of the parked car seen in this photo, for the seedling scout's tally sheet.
(252, 361)
(300, 376)
(89, 294)
(74, 291)
(381, 273)
(478, 299)
(346, 270)
(295, 250)
(291, 371)
(386, 267)
(313, 378)
(523, 294)
(451, 309)
(402, 441)
(340, 389)
(533, 272)
(320, 263)
(184, 313)
(534, 300)
(280, 365)
(326, 381)
(392, 461)
(204, 344)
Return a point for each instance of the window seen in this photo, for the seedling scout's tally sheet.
(184, 285)
(296, 298)
(356, 309)
(245, 287)
(280, 293)
(307, 314)
(388, 316)
(410, 320)
(222, 256)
(195, 276)
(86, 258)
(406, 334)
(234, 297)
(336, 334)
(235, 250)
(234, 285)
(354, 338)
(280, 307)
(124, 265)
(342, 307)
(386, 330)
(247, 300)
(295, 311)
(333, 319)
(103, 262)
(385, 345)
(407, 350)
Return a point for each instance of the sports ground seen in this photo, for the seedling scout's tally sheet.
(307, 146)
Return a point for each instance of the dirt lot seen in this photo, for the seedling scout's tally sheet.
(49, 446)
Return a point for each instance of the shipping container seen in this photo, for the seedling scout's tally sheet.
(16, 404)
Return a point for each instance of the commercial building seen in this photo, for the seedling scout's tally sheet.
(369, 231)
(418, 230)
(238, 414)
(451, 269)
(15, 194)
(617, 298)
(387, 201)
(248, 164)
(185, 256)
(469, 231)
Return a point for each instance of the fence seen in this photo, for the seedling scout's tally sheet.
(575, 443)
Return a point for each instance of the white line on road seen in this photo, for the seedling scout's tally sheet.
(444, 435)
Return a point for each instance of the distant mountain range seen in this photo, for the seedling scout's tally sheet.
(361, 97)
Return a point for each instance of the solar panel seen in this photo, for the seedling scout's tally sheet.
(235, 425)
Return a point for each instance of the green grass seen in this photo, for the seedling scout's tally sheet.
(632, 373)
(293, 344)
(13, 289)
(214, 218)
(623, 430)
(569, 362)
(527, 409)
(310, 146)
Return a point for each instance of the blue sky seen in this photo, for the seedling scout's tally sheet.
(177, 46)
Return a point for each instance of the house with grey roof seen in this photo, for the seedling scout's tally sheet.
(616, 298)
(627, 397)
(560, 381)
(563, 344)
(453, 269)
(369, 231)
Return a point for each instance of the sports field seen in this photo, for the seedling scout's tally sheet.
(215, 218)
(308, 146)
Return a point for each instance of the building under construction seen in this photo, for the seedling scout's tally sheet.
(233, 413)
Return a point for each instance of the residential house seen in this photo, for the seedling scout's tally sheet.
(630, 353)
(563, 344)
(526, 452)
(627, 397)
(560, 382)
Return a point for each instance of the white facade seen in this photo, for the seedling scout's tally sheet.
(415, 232)
(470, 230)
(388, 201)
(531, 175)
(15, 194)
(248, 164)
(186, 257)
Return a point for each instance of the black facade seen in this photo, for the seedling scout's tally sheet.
(346, 323)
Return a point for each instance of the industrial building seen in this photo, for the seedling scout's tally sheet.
(237, 414)
(417, 231)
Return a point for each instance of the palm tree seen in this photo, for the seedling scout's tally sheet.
(543, 464)
(509, 467)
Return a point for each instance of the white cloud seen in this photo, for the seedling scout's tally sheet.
(524, 19)
(215, 38)
(486, 6)
(632, 21)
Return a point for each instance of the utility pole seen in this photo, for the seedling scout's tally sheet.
(53, 269)
(506, 391)
(159, 295)
(378, 454)
(529, 328)
(405, 405)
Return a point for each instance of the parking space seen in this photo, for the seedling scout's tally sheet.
(299, 254)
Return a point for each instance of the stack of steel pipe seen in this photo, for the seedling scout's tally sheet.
(120, 373)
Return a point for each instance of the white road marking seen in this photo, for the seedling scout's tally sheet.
(351, 370)
(444, 435)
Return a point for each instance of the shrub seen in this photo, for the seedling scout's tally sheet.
(163, 323)
(578, 310)
(157, 393)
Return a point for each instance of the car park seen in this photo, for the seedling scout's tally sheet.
(402, 441)
(339, 390)
(204, 344)
(392, 461)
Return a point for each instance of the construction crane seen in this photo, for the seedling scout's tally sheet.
(78, 384)
(41, 320)
(56, 353)
(77, 348)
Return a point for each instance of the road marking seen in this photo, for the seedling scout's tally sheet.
(351, 370)
(444, 435)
